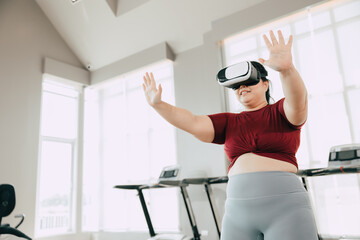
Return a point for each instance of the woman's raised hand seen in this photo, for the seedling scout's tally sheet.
(152, 94)
(280, 58)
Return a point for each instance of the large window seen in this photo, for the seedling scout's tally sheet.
(126, 141)
(55, 212)
(325, 52)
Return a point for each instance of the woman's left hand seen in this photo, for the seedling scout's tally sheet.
(280, 58)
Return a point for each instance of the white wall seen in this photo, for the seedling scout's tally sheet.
(26, 38)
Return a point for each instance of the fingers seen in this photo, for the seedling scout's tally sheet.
(261, 60)
(273, 38)
(274, 41)
(264, 62)
(149, 80)
(281, 38)
(290, 41)
(150, 83)
(153, 83)
(268, 43)
(160, 88)
(146, 80)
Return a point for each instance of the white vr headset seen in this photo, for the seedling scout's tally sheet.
(243, 73)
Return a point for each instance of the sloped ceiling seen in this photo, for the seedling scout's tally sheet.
(101, 32)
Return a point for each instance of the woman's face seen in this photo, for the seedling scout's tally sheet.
(252, 95)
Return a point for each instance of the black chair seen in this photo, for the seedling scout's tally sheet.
(7, 205)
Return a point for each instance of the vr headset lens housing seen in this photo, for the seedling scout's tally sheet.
(243, 73)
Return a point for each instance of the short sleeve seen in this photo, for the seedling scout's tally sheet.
(219, 121)
(280, 108)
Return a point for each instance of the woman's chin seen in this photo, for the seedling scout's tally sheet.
(244, 99)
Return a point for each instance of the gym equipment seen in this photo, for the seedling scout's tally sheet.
(207, 182)
(168, 173)
(7, 205)
(243, 73)
(189, 210)
(326, 171)
(344, 155)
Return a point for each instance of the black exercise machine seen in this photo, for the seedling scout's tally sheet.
(139, 188)
(7, 205)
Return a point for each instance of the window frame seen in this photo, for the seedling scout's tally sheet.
(76, 158)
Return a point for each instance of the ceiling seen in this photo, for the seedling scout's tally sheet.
(101, 32)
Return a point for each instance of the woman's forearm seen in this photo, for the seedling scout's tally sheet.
(179, 117)
(294, 89)
(199, 126)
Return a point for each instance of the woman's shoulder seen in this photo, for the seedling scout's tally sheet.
(278, 105)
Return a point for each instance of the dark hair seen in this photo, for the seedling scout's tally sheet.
(263, 74)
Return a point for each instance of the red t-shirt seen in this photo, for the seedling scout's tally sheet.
(265, 132)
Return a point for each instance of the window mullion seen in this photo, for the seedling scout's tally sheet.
(78, 165)
(101, 165)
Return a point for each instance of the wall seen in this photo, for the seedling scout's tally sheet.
(26, 38)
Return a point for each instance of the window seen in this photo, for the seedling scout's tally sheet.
(55, 212)
(325, 52)
(126, 141)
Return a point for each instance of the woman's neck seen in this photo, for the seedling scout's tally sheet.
(255, 107)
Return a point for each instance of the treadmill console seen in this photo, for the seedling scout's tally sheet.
(170, 173)
(344, 155)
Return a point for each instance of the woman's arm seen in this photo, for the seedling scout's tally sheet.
(295, 104)
(199, 126)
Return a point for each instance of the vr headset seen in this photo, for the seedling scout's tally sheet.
(243, 73)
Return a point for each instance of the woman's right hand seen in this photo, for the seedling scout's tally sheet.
(152, 94)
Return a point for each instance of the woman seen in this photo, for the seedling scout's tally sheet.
(265, 198)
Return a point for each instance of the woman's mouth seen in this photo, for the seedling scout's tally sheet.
(244, 92)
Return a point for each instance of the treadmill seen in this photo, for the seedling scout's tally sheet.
(170, 173)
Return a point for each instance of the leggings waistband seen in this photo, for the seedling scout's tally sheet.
(262, 184)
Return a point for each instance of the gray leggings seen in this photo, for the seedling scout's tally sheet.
(271, 205)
